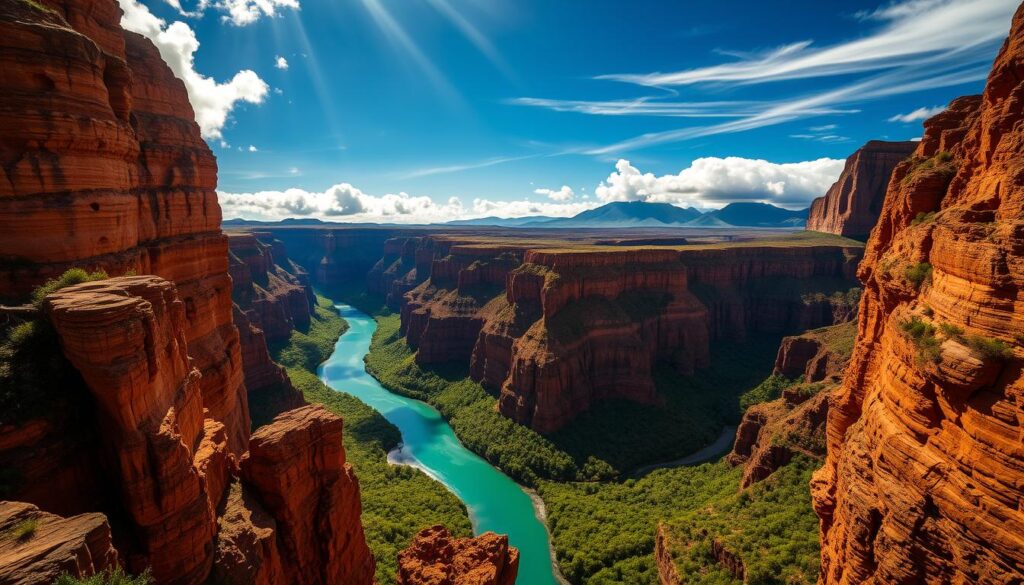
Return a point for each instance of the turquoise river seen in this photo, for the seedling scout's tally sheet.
(494, 501)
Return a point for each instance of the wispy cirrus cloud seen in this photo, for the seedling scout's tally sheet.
(917, 115)
(920, 45)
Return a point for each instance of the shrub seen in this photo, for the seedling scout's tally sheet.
(943, 156)
(923, 336)
(922, 218)
(928, 311)
(116, 576)
(766, 391)
(25, 529)
(919, 273)
(988, 348)
(951, 331)
(69, 278)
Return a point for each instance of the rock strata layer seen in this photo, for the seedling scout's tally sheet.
(924, 471)
(853, 203)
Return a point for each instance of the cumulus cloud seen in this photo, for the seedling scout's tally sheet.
(177, 42)
(564, 194)
(281, 63)
(713, 182)
(253, 148)
(917, 115)
(339, 202)
(237, 12)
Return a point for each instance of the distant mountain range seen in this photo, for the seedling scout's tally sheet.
(619, 214)
(643, 214)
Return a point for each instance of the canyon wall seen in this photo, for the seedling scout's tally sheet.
(923, 477)
(104, 168)
(147, 449)
(853, 203)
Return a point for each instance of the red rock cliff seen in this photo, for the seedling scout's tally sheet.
(852, 205)
(104, 167)
(924, 470)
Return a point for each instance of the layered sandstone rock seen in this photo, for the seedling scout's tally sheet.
(924, 471)
(852, 205)
(772, 433)
(296, 467)
(125, 336)
(37, 547)
(103, 156)
(436, 558)
(580, 326)
(668, 573)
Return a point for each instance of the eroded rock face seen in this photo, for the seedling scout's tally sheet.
(772, 433)
(37, 547)
(852, 205)
(575, 327)
(435, 558)
(102, 154)
(923, 477)
(272, 297)
(296, 467)
(125, 336)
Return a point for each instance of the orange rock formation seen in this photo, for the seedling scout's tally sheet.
(37, 547)
(102, 154)
(924, 471)
(853, 203)
(435, 558)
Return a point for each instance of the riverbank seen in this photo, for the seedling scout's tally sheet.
(710, 453)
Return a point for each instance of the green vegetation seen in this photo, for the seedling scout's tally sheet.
(397, 500)
(988, 348)
(612, 438)
(941, 163)
(766, 391)
(604, 532)
(116, 576)
(951, 331)
(34, 374)
(919, 273)
(25, 529)
(922, 334)
(39, 6)
(922, 218)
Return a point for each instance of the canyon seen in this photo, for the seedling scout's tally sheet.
(922, 477)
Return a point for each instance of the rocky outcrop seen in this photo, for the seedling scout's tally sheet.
(579, 326)
(924, 471)
(436, 558)
(314, 497)
(852, 205)
(772, 433)
(37, 547)
(819, 355)
(170, 464)
(104, 167)
(668, 573)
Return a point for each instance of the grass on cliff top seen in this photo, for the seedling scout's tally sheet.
(612, 438)
(398, 500)
(35, 377)
(116, 576)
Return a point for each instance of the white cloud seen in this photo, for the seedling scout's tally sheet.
(713, 182)
(919, 45)
(564, 194)
(913, 29)
(281, 63)
(917, 115)
(177, 42)
(237, 12)
(345, 202)
(252, 148)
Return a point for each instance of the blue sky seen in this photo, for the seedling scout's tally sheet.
(426, 110)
